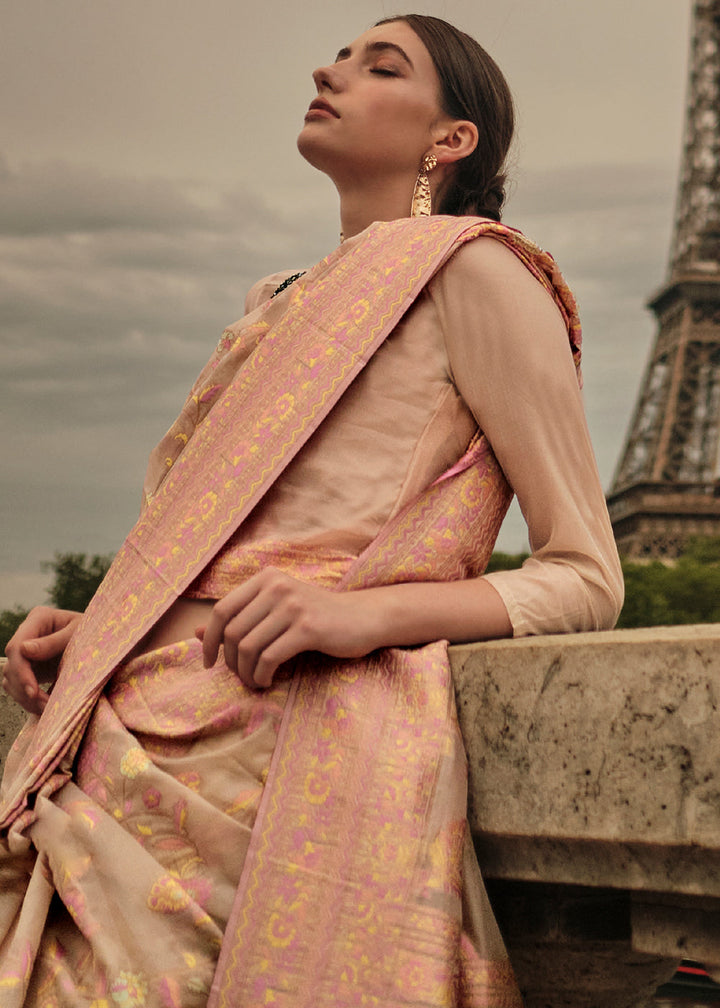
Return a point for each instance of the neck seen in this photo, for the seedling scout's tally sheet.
(362, 205)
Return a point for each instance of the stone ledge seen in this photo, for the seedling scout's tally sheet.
(594, 769)
(607, 738)
(12, 718)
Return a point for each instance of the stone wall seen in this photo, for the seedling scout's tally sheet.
(12, 718)
(594, 764)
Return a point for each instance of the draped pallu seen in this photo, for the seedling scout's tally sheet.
(351, 890)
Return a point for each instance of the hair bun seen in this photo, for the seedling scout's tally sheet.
(490, 203)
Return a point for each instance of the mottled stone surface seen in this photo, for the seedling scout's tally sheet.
(594, 761)
(12, 718)
(610, 741)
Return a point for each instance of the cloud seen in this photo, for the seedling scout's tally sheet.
(114, 291)
(152, 277)
(113, 294)
(58, 199)
(609, 227)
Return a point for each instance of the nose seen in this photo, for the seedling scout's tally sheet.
(327, 78)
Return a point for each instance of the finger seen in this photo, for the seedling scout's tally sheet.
(211, 641)
(44, 648)
(29, 696)
(285, 646)
(248, 632)
(274, 642)
(40, 621)
(244, 654)
(37, 670)
(220, 615)
(20, 675)
(242, 647)
(241, 610)
(38, 704)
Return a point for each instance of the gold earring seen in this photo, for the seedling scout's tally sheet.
(421, 205)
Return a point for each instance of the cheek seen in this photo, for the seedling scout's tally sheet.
(403, 119)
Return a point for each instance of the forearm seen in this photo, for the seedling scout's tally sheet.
(416, 613)
(272, 617)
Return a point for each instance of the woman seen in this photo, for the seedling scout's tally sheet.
(248, 769)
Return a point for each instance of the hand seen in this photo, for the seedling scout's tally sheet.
(34, 652)
(272, 617)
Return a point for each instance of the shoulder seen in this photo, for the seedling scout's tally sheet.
(265, 288)
(491, 259)
(486, 275)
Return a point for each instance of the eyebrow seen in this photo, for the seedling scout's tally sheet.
(376, 47)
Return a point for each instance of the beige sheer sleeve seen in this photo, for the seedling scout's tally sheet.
(511, 362)
(265, 288)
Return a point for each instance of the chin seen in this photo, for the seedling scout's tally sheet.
(306, 143)
(333, 160)
(313, 150)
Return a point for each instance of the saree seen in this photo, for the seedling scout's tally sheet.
(325, 866)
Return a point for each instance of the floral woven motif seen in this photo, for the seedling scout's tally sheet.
(250, 412)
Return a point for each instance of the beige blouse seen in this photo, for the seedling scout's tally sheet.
(484, 345)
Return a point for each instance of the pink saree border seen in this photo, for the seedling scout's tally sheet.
(300, 934)
(151, 570)
(448, 532)
(347, 305)
(339, 314)
(454, 520)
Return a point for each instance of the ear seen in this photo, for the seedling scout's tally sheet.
(457, 139)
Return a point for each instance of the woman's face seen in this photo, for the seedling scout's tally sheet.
(377, 110)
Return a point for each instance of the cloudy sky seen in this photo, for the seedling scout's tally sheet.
(148, 175)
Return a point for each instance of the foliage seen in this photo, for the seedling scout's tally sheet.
(505, 561)
(10, 620)
(688, 591)
(76, 579)
(660, 594)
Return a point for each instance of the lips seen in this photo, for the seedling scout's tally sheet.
(321, 105)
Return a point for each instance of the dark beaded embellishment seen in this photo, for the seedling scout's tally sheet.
(286, 283)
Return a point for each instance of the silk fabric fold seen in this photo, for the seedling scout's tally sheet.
(352, 888)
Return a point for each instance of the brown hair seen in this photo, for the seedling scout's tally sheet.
(472, 87)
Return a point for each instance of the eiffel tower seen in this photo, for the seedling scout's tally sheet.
(667, 485)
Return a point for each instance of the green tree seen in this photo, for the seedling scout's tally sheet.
(687, 591)
(10, 620)
(646, 595)
(505, 561)
(76, 578)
